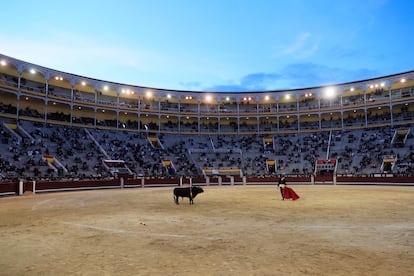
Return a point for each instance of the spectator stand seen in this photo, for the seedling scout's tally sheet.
(169, 166)
(11, 126)
(155, 142)
(54, 163)
(268, 144)
(400, 137)
(388, 163)
(325, 169)
(271, 166)
(116, 167)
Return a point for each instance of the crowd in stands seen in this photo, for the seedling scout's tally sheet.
(81, 152)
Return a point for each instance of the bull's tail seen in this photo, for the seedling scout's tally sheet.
(176, 199)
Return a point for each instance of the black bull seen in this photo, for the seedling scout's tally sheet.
(190, 192)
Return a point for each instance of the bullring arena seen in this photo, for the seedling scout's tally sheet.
(88, 168)
(231, 230)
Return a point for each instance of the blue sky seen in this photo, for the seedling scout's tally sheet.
(214, 45)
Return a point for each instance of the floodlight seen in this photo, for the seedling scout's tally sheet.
(330, 92)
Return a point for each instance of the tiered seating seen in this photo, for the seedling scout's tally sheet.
(356, 152)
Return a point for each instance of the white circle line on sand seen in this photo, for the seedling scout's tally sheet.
(40, 203)
(104, 229)
(317, 227)
(121, 231)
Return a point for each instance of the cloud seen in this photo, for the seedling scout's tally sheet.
(226, 88)
(293, 76)
(304, 45)
(99, 60)
(301, 75)
(250, 82)
(80, 55)
(256, 80)
(297, 45)
(339, 52)
(191, 85)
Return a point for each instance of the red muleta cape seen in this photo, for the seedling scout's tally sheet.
(289, 193)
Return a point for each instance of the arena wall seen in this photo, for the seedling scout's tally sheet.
(23, 187)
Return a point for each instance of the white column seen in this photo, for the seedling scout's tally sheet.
(20, 187)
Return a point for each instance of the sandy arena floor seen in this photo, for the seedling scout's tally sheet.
(330, 230)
